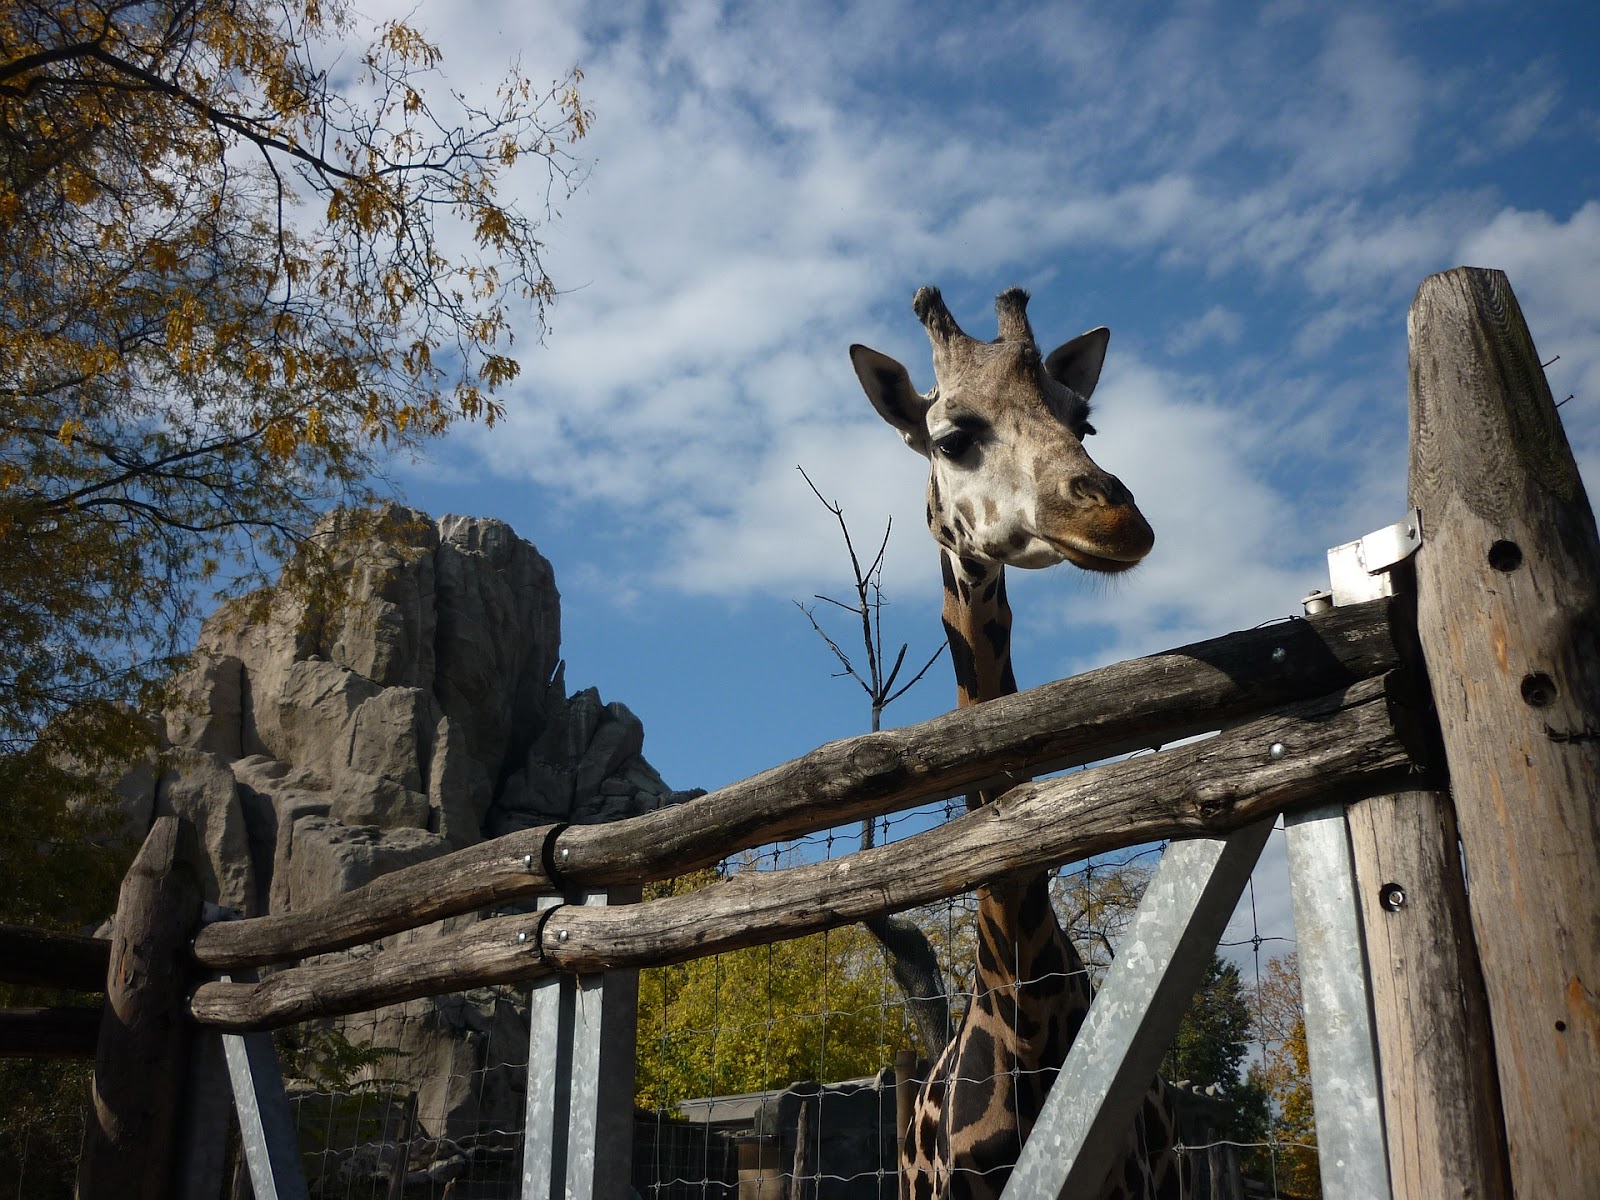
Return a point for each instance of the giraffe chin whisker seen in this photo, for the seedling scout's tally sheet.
(1096, 562)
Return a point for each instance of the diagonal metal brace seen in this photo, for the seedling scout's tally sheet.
(1161, 961)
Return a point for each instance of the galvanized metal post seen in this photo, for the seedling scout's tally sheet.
(565, 1039)
(1335, 990)
(266, 1125)
(1160, 962)
(1337, 1000)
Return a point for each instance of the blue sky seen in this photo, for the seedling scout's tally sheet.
(1248, 195)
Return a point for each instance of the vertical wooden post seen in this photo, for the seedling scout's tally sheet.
(130, 1143)
(1508, 587)
(1441, 1110)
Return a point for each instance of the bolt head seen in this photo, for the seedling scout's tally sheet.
(523, 936)
(561, 935)
(1276, 751)
(566, 853)
(527, 861)
(1279, 654)
(1392, 896)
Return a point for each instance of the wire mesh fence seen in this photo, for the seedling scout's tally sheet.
(777, 1071)
(772, 1071)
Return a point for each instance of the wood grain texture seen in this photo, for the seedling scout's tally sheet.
(59, 1032)
(1508, 586)
(1335, 747)
(489, 873)
(44, 958)
(1123, 707)
(1441, 1106)
(131, 1136)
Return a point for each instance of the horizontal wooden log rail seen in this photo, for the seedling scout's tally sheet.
(44, 958)
(1338, 747)
(1131, 705)
(61, 1032)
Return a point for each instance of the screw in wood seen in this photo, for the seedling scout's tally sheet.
(561, 935)
(522, 936)
(1279, 654)
(1392, 896)
(1276, 751)
(527, 861)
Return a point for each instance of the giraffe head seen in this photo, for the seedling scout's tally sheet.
(1009, 482)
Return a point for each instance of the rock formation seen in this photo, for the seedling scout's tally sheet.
(317, 748)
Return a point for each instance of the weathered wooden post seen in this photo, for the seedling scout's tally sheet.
(130, 1143)
(1441, 1110)
(1508, 588)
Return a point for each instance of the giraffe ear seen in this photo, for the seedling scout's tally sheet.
(889, 388)
(1077, 363)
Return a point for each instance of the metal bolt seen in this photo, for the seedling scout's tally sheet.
(522, 936)
(561, 935)
(1276, 751)
(1279, 654)
(1392, 897)
(527, 861)
(1411, 532)
(566, 853)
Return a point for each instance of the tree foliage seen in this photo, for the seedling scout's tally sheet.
(1286, 1074)
(821, 1008)
(234, 278)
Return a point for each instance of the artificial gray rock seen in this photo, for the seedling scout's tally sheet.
(318, 746)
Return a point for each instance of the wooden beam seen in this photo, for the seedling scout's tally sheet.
(33, 957)
(1340, 745)
(58, 1032)
(131, 1137)
(1508, 589)
(1127, 706)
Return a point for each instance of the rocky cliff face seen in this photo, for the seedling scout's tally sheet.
(429, 712)
(314, 752)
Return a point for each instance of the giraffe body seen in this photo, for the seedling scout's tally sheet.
(1010, 484)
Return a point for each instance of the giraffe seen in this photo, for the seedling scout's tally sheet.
(1010, 484)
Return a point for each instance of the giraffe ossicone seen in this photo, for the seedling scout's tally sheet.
(1010, 484)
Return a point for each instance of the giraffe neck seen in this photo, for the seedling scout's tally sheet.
(977, 623)
(1020, 940)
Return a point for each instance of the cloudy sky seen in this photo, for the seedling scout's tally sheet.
(1248, 195)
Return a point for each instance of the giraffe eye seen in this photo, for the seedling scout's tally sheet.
(954, 444)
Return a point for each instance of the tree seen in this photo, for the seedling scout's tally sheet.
(1286, 1075)
(234, 279)
(911, 957)
(814, 1008)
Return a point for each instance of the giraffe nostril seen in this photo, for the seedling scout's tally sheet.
(1102, 490)
(1086, 489)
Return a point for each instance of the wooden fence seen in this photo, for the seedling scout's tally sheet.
(1487, 1017)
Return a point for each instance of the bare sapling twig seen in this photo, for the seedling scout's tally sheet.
(911, 958)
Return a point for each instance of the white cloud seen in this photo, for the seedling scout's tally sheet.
(770, 186)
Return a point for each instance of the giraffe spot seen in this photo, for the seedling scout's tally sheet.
(999, 635)
(946, 534)
(965, 510)
(1019, 539)
(962, 661)
(992, 589)
(991, 510)
(972, 567)
(922, 1187)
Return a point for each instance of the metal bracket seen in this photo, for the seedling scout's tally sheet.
(1360, 570)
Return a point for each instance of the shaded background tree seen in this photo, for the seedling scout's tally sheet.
(232, 284)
